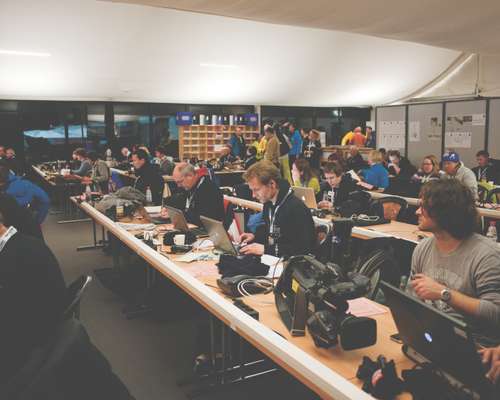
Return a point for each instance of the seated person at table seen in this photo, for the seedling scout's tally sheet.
(26, 194)
(32, 296)
(487, 170)
(303, 175)
(335, 190)
(399, 167)
(225, 156)
(429, 170)
(85, 165)
(126, 154)
(12, 162)
(455, 169)
(200, 196)
(457, 270)
(19, 217)
(288, 228)
(375, 177)
(148, 176)
(166, 164)
(355, 160)
(251, 157)
(99, 177)
(312, 149)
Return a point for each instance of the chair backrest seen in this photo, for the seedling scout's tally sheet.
(393, 208)
(74, 295)
(493, 196)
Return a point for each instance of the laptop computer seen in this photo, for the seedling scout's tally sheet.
(438, 338)
(307, 195)
(179, 221)
(219, 236)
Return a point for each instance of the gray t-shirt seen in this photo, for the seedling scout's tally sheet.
(472, 269)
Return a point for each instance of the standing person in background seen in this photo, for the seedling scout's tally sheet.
(304, 176)
(166, 165)
(455, 169)
(295, 141)
(99, 177)
(27, 194)
(312, 150)
(237, 143)
(371, 137)
(272, 153)
(358, 139)
(85, 166)
(261, 147)
(148, 176)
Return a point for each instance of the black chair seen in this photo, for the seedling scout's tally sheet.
(391, 207)
(74, 294)
(66, 366)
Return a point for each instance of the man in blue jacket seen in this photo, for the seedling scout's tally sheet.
(26, 193)
(296, 141)
(237, 143)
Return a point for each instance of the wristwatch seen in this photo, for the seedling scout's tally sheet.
(446, 295)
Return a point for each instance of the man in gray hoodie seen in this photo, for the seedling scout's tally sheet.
(455, 169)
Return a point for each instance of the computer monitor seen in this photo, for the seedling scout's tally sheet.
(219, 236)
(307, 195)
(444, 341)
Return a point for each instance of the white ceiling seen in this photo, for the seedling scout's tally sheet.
(112, 51)
(463, 25)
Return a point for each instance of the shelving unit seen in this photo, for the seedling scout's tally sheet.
(205, 141)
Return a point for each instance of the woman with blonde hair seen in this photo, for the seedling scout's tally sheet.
(429, 170)
(376, 177)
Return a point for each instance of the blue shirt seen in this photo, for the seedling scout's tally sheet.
(29, 194)
(237, 146)
(296, 141)
(377, 176)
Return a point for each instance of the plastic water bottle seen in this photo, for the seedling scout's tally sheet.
(88, 193)
(149, 196)
(491, 233)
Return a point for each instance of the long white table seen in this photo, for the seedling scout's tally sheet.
(330, 373)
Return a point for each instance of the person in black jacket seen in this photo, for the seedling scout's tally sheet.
(487, 170)
(200, 196)
(32, 296)
(148, 175)
(355, 160)
(335, 190)
(288, 228)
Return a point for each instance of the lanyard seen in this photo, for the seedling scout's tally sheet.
(190, 198)
(11, 231)
(272, 216)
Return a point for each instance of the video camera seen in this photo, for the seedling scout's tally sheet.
(310, 293)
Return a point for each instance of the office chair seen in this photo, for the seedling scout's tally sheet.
(66, 366)
(391, 207)
(74, 295)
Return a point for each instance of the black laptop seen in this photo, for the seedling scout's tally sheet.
(438, 338)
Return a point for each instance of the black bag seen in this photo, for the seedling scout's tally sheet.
(358, 202)
(249, 265)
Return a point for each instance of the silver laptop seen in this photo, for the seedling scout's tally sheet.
(179, 221)
(307, 195)
(219, 236)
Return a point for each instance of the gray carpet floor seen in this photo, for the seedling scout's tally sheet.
(148, 355)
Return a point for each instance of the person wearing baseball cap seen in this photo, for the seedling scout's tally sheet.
(455, 169)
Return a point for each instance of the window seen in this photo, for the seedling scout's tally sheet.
(132, 124)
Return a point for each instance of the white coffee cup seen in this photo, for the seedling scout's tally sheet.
(179, 240)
